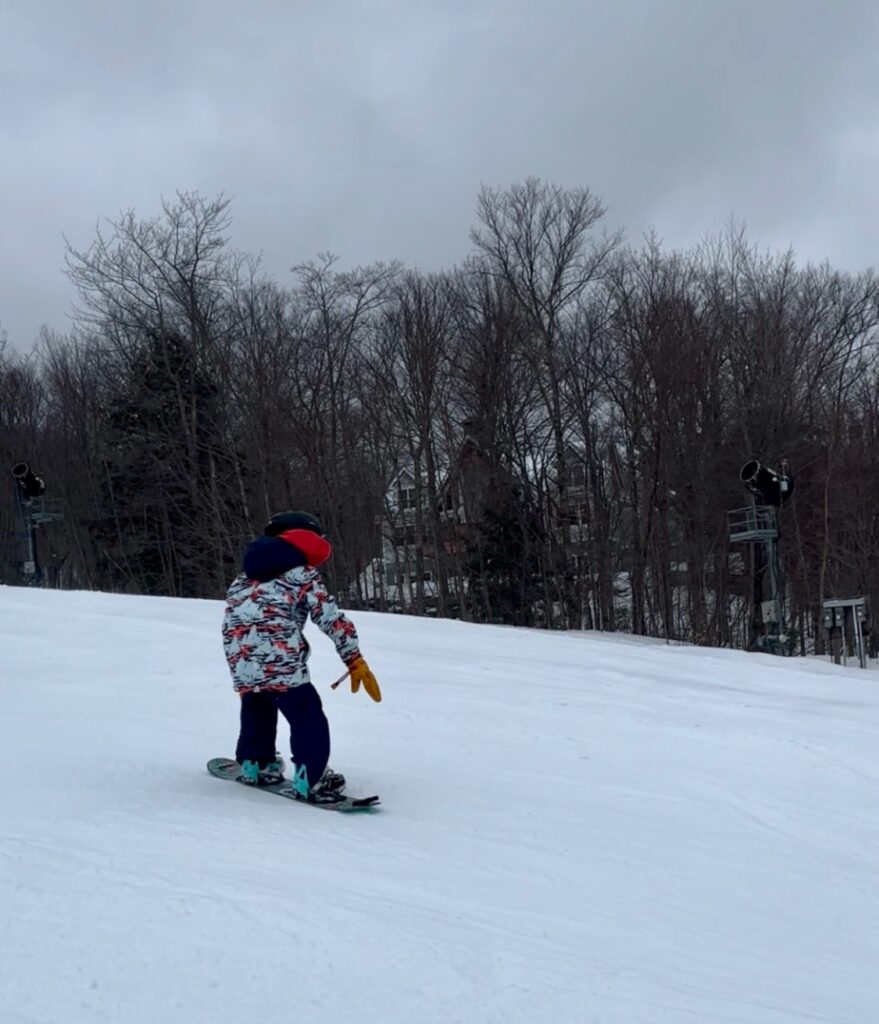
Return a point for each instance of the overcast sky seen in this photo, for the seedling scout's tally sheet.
(365, 127)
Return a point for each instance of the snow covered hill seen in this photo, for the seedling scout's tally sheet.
(576, 829)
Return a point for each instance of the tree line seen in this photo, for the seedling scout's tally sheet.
(574, 411)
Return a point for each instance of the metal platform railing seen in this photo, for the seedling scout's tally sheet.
(752, 523)
(42, 510)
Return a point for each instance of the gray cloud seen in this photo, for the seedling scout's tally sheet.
(366, 126)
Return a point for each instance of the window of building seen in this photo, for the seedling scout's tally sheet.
(394, 574)
(404, 535)
(577, 534)
(577, 476)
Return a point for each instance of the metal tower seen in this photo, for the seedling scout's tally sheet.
(33, 509)
(757, 524)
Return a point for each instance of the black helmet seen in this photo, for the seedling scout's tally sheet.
(283, 521)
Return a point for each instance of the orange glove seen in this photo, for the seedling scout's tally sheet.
(361, 673)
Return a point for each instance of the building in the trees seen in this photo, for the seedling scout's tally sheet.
(434, 546)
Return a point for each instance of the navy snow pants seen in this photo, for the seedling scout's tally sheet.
(309, 729)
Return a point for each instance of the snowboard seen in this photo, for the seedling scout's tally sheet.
(225, 768)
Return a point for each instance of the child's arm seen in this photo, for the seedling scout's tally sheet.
(328, 617)
(331, 620)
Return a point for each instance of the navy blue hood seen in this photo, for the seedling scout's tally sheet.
(268, 557)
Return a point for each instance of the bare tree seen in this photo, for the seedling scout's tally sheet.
(536, 238)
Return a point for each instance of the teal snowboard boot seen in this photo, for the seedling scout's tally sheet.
(250, 773)
(269, 774)
(328, 790)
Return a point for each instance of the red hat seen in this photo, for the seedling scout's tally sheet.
(314, 548)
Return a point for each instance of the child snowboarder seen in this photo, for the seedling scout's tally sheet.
(266, 608)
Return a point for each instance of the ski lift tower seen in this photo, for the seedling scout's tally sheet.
(33, 509)
(757, 524)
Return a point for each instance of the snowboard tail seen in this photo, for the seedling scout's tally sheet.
(226, 768)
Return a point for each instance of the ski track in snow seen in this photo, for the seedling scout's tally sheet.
(574, 828)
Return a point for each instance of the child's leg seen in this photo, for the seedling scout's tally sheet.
(309, 729)
(259, 723)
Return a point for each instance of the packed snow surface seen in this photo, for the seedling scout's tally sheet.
(575, 829)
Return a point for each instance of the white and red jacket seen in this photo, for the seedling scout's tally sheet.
(263, 627)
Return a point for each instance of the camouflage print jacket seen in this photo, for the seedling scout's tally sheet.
(263, 624)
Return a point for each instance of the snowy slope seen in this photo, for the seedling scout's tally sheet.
(575, 828)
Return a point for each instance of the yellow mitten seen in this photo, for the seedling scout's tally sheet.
(360, 673)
